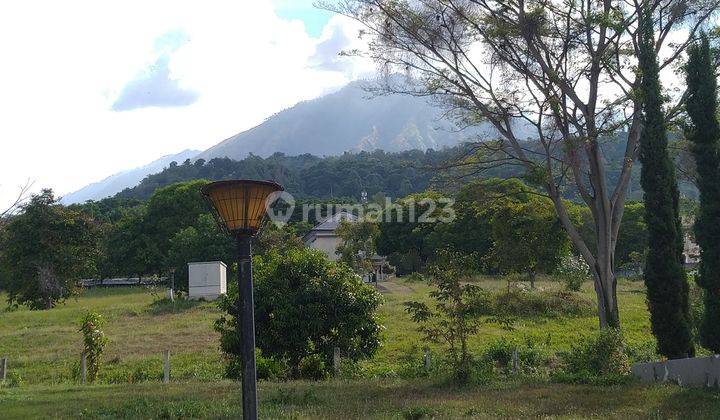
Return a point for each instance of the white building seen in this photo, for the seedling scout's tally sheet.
(207, 280)
(323, 236)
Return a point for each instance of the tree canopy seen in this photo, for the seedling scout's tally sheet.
(47, 248)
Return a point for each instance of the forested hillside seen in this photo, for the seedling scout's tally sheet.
(346, 176)
(308, 176)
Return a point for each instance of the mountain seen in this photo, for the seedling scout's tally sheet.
(125, 179)
(348, 120)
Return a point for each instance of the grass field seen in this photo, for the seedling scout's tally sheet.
(44, 346)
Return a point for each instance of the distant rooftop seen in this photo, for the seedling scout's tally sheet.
(331, 223)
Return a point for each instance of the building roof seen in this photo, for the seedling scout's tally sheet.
(331, 223)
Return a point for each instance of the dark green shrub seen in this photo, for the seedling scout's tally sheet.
(305, 305)
(600, 359)
(269, 368)
(266, 367)
(532, 356)
(313, 367)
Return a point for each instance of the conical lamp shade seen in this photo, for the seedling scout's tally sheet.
(239, 205)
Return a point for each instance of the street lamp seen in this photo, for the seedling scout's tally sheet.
(239, 206)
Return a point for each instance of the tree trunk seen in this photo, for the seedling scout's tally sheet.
(602, 262)
(606, 292)
(532, 279)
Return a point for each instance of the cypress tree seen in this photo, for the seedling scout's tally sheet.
(665, 278)
(704, 136)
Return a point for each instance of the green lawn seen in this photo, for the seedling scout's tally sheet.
(359, 400)
(44, 346)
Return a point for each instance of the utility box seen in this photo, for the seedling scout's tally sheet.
(207, 280)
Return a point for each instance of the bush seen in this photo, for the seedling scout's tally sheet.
(305, 305)
(414, 277)
(419, 413)
(313, 367)
(14, 380)
(527, 304)
(600, 359)
(266, 367)
(573, 271)
(532, 356)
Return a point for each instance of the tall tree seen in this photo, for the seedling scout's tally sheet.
(564, 69)
(527, 237)
(47, 249)
(704, 136)
(667, 288)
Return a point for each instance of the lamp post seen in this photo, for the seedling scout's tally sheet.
(239, 206)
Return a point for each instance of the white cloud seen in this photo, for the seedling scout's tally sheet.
(66, 63)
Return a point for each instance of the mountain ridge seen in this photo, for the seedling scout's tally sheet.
(117, 182)
(347, 120)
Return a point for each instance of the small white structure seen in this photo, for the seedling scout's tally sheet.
(207, 280)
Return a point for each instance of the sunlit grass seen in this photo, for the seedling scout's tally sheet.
(44, 348)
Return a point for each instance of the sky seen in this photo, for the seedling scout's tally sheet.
(91, 88)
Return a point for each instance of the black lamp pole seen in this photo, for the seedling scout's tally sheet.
(239, 206)
(247, 326)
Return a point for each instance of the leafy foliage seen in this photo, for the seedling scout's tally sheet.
(46, 249)
(94, 342)
(305, 306)
(358, 244)
(527, 237)
(532, 355)
(455, 314)
(307, 176)
(602, 358)
(499, 224)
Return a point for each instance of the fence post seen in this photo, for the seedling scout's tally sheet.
(83, 368)
(336, 360)
(166, 373)
(515, 361)
(3, 369)
(427, 359)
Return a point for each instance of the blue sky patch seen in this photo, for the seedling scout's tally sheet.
(314, 19)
